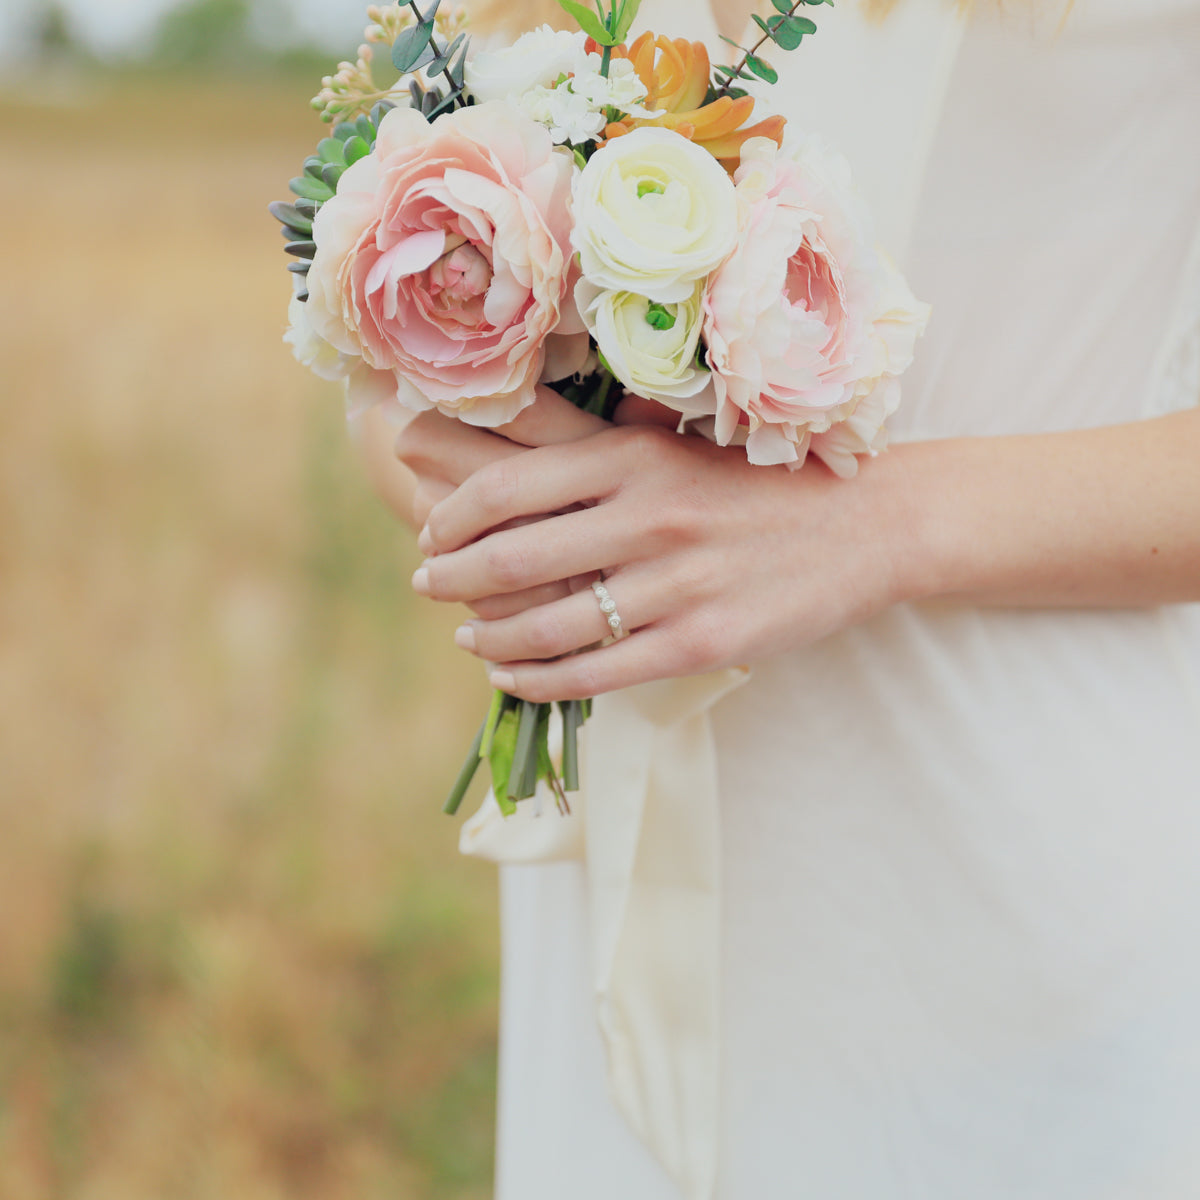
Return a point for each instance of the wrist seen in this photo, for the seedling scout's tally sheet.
(916, 535)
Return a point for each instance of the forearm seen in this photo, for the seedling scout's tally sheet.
(1093, 518)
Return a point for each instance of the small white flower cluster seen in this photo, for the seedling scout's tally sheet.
(559, 84)
(575, 110)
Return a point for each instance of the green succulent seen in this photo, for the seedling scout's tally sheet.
(350, 141)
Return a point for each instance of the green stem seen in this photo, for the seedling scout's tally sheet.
(572, 711)
(493, 719)
(599, 399)
(526, 728)
(465, 775)
(723, 90)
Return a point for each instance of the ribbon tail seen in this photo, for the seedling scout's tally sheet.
(653, 860)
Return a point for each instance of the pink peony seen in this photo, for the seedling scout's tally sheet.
(807, 326)
(444, 261)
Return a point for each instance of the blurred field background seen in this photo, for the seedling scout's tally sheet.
(239, 954)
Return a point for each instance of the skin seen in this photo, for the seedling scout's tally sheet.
(714, 562)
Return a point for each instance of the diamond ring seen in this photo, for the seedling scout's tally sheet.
(608, 606)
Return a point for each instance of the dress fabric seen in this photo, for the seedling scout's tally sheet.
(960, 918)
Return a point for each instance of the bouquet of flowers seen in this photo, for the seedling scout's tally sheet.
(601, 217)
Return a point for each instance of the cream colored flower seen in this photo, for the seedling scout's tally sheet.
(313, 351)
(536, 59)
(650, 347)
(654, 214)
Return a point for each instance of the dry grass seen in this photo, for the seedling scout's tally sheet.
(239, 956)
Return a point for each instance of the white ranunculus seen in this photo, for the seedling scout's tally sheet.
(654, 214)
(313, 351)
(536, 59)
(651, 347)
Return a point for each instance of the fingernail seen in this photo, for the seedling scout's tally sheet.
(420, 581)
(464, 637)
(425, 542)
(502, 681)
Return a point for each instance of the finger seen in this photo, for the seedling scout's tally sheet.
(569, 624)
(429, 492)
(655, 652)
(542, 480)
(434, 445)
(551, 419)
(495, 608)
(512, 560)
(637, 410)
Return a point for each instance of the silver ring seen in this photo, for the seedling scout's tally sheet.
(608, 607)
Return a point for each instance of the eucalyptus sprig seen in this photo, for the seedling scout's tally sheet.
(785, 29)
(417, 48)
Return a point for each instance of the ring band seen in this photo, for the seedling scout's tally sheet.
(608, 607)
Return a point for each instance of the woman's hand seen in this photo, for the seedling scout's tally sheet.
(711, 561)
(441, 453)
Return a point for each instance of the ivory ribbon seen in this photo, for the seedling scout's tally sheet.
(647, 825)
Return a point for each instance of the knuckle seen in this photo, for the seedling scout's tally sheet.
(494, 489)
(585, 681)
(703, 639)
(645, 444)
(688, 578)
(506, 566)
(546, 636)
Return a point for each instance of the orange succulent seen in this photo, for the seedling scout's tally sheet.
(676, 74)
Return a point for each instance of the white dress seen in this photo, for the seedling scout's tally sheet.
(960, 921)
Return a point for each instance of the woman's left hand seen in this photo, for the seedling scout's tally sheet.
(712, 561)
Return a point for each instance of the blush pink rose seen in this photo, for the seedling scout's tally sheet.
(444, 261)
(807, 326)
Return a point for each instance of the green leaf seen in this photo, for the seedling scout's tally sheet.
(330, 150)
(311, 189)
(783, 6)
(331, 174)
(365, 128)
(625, 18)
(290, 216)
(443, 105)
(442, 61)
(356, 148)
(762, 69)
(588, 21)
(344, 131)
(300, 268)
(306, 208)
(314, 166)
(500, 758)
(789, 32)
(411, 46)
(301, 249)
